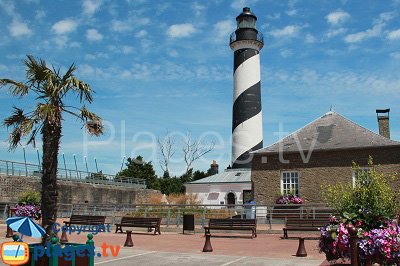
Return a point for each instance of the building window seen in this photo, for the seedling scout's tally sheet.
(290, 183)
(359, 172)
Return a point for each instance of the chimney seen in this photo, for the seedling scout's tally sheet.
(383, 122)
(214, 168)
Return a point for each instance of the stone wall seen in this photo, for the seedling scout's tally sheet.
(324, 168)
(74, 192)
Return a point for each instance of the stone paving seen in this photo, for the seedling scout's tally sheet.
(175, 248)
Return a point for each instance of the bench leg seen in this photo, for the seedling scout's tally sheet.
(255, 232)
(285, 236)
(118, 229)
(158, 230)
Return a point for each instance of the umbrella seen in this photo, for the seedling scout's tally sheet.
(25, 226)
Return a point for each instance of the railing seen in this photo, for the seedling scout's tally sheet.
(259, 37)
(172, 214)
(31, 170)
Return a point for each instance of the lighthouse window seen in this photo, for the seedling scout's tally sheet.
(290, 183)
(247, 22)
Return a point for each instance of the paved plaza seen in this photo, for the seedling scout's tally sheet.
(175, 248)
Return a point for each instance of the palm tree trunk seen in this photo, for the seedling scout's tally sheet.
(51, 133)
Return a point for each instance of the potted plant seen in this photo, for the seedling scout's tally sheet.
(369, 206)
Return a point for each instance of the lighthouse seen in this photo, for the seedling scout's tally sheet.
(246, 43)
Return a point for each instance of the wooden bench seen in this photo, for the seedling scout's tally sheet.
(306, 224)
(83, 220)
(86, 220)
(147, 222)
(232, 224)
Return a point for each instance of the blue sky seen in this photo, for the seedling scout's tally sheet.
(159, 66)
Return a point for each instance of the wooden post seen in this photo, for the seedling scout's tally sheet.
(353, 244)
(128, 241)
(301, 250)
(207, 245)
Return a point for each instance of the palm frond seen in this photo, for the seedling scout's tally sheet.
(16, 118)
(16, 88)
(94, 127)
(14, 139)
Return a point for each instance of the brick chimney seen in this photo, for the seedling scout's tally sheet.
(383, 122)
(214, 168)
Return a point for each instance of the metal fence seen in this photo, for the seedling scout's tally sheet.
(172, 214)
(11, 168)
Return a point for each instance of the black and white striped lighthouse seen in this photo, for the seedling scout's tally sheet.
(247, 136)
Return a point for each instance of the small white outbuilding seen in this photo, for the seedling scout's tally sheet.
(232, 186)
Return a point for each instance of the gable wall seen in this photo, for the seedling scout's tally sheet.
(323, 168)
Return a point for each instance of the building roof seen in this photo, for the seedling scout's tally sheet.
(227, 176)
(329, 132)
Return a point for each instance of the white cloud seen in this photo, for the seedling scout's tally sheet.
(181, 30)
(120, 26)
(61, 41)
(395, 55)
(173, 53)
(223, 29)
(141, 33)
(288, 31)
(375, 31)
(39, 14)
(337, 17)
(291, 12)
(64, 26)
(127, 49)
(286, 53)
(90, 7)
(335, 32)
(93, 35)
(239, 4)
(274, 16)
(19, 29)
(310, 38)
(197, 8)
(394, 35)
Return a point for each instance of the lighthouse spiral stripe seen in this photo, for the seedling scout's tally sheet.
(247, 116)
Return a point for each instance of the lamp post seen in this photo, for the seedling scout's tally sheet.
(26, 167)
(87, 169)
(65, 166)
(76, 166)
(38, 157)
(122, 164)
(95, 161)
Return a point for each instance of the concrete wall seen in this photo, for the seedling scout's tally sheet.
(74, 192)
(323, 168)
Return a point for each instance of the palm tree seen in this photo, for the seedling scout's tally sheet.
(50, 90)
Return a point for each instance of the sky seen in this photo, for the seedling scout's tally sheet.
(165, 67)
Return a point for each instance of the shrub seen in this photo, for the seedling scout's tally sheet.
(369, 202)
(30, 196)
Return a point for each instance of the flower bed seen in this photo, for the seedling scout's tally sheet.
(28, 210)
(380, 245)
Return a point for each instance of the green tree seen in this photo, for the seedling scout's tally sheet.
(138, 168)
(201, 174)
(97, 176)
(370, 199)
(50, 89)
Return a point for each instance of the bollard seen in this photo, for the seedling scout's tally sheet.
(64, 238)
(207, 245)
(353, 244)
(10, 232)
(128, 241)
(301, 250)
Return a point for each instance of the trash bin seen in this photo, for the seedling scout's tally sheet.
(188, 222)
(251, 210)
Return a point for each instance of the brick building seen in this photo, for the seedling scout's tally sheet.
(320, 153)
